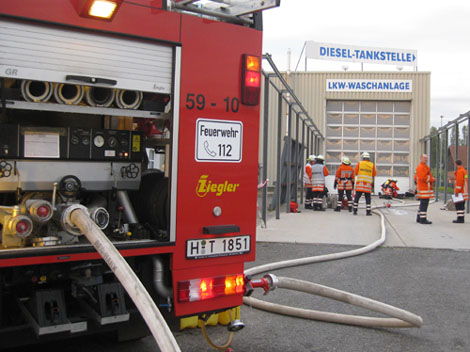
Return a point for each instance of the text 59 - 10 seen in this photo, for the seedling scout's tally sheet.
(199, 102)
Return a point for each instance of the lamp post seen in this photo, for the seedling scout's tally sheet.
(441, 119)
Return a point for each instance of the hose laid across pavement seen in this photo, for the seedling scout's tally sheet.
(399, 318)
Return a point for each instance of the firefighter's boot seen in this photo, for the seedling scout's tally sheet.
(425, 221)
(369, 213)
(338, 209)
(459, 220)
(418, 219)
(350, 209)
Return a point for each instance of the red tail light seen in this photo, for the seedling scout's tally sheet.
(207, 288)
(251, 79)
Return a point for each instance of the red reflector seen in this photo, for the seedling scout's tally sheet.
(22, 227)
(251, 79)
(43, 211)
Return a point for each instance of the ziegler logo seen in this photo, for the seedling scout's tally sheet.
(205, 186)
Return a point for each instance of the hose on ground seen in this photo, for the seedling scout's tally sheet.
(400, 318)
(80, 218)
(212, 344)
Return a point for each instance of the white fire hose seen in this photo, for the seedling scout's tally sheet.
(78, 217)
(399, 318)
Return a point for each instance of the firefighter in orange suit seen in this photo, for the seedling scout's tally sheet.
(319, 171)
(345, 182)
(461, 186)
(424, 181)
(308, 182)
(365, 173)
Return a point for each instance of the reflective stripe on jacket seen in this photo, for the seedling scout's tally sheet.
(345, 177)
(424, 181)
(319, 171)
(461, 182)
(308, 175)
(365, 173)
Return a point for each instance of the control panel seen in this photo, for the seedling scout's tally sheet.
(20, 142)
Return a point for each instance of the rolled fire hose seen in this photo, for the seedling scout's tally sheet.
(128, 99)
(80, 218)
(36, 91)
(68, 93)
(400, 318)
(99, 96)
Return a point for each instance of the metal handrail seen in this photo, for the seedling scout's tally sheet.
(288, 89)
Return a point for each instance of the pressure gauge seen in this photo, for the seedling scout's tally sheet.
(112, 142)
(98, 141)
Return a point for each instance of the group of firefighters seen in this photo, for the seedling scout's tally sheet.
(361, 179)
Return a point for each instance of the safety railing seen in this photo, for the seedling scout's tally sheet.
(301, 137)
(444, 146)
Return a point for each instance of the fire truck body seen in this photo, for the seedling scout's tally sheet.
(82, 101)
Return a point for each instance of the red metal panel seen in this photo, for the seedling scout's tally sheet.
(211, 68)
(140, 18)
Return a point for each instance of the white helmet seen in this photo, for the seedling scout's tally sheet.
(311, 157)
(320, 157)
(346, 161)
(365, 155)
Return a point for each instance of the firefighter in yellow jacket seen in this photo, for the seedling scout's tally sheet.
(461, 186)
(365, 173)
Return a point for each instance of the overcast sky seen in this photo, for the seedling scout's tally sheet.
(438, 30)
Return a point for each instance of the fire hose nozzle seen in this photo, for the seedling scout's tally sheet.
(268, 283)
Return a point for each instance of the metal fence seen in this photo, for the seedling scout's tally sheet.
(299, 138)
(444, 146)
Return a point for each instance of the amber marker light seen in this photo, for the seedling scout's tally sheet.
(100, 9)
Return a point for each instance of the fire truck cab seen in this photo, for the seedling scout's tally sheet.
(148, 118)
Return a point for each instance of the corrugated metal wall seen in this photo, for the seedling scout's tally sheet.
(310, 88)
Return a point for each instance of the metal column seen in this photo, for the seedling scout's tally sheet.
(297, 154)
(303, 161)
(265, 149)
(289, 158)
(445, 165)
(279, 141)
(438, 167)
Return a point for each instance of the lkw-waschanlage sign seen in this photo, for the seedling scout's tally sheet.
(218, 140)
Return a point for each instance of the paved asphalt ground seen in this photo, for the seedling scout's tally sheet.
(424, 269)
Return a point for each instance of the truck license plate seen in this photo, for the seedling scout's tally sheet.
(217, 247)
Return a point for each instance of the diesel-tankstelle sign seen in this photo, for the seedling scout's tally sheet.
(354, 53)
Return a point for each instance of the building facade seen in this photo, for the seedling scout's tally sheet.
(383, 113)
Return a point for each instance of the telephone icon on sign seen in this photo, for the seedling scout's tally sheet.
(210, 152)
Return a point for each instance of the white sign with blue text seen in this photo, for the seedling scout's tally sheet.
(369, 85)
(355, 53)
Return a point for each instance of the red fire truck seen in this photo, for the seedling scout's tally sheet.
(146, 117)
